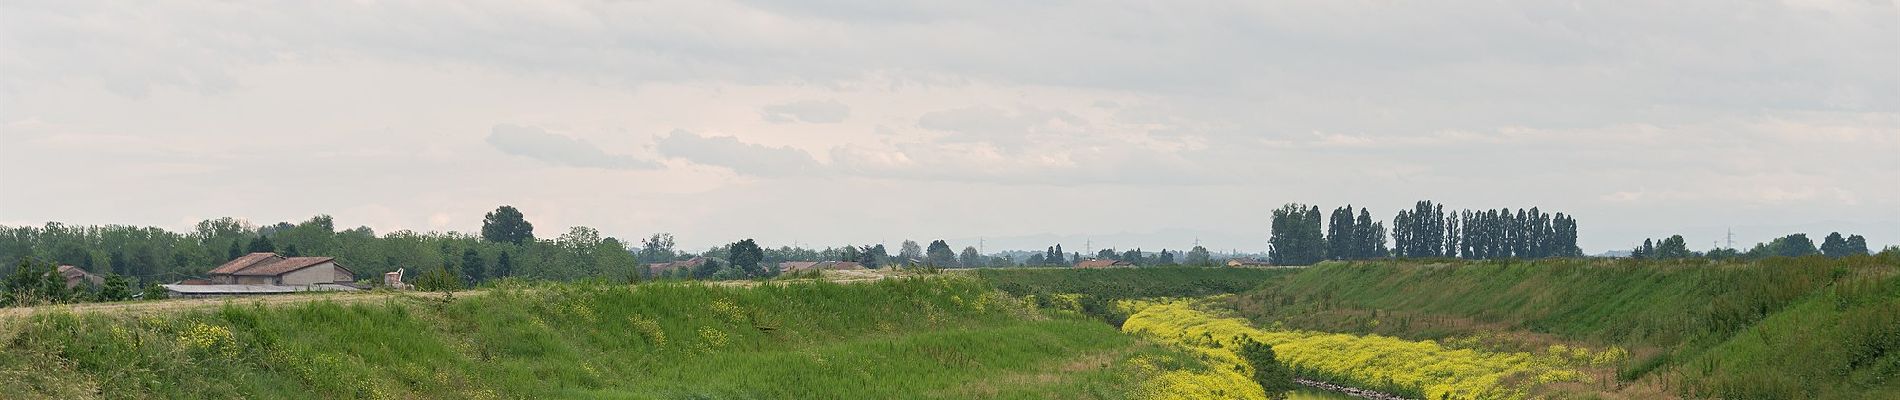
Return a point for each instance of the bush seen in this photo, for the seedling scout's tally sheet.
(1267, 370)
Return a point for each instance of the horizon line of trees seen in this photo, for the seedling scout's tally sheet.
(1794, 245)
(1425, 231)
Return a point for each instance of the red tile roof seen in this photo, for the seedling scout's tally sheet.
(283, 266)
(270, 264)
(246, 261)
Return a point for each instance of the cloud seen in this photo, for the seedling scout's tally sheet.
(741, 157)
(538, 144)
(1005, 128)
(808, 111)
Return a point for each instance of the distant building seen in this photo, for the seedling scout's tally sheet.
(273, 269)
(1247, 262)
(1103, 263)
(75, 275)
(268, 273)
(796, 266)
(659, 269)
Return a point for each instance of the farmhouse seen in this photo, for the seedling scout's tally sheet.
(273, 269)
(796, 266)
(658, 269)
(269, 273)
(1247, 262)
(75, 275)
(1103, 263)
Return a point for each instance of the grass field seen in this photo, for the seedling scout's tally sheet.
(931, 338)
(1772, 329)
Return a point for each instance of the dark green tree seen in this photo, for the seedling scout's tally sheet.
(507, 225)
(1296, 238)
(745, 255)
(1835, 245)
(1857, 245)
(1342, 235)
(474, 265)
(939, 254)
(261, 244)
(504, 265)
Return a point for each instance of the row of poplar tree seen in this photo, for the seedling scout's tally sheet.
(1426, 230)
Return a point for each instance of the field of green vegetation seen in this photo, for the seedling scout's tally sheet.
(1772, 329)
(923, 337)
(1095, 291)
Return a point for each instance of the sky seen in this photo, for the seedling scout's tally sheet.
(1013, 124)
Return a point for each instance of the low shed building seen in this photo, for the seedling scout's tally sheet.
(273, 269)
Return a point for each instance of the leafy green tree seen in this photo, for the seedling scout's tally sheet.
(34, 282)
(745, 256)
(910, 251)
(261, 244)
(1856, 245)
(1673, 247)
(117, 288)
(1272, 376)
(1198, 256)
(657, 248)
(154, 292)
(969, 257)
(507, 225)
(938, 254)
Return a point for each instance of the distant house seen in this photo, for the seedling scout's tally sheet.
(1247, 262)
(796, 266)
(273, 269)
(658, 269)
(75, 275)
(1103, 263)
(268, 273)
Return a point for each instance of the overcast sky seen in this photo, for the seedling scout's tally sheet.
(850, 121)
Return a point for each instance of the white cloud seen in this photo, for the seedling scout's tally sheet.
(808, 111)
(538, 144)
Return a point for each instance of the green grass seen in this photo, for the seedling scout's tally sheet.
(1777, 328)
(934, 338)
(1094, 291)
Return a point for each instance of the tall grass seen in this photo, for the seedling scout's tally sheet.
(938, 338)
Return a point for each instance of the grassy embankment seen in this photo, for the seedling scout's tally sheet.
(1105, 293)
(934, 338)
(1773, 329)
(1096, 291)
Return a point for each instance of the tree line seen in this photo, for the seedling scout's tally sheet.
(1795, 245)
(1425, 231)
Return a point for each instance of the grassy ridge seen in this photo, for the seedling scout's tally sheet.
(1695, 327)
(1095, 291)
(943, 338)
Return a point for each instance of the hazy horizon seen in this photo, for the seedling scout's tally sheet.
(1117, 124)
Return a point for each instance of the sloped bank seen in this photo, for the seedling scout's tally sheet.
(940, 337)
